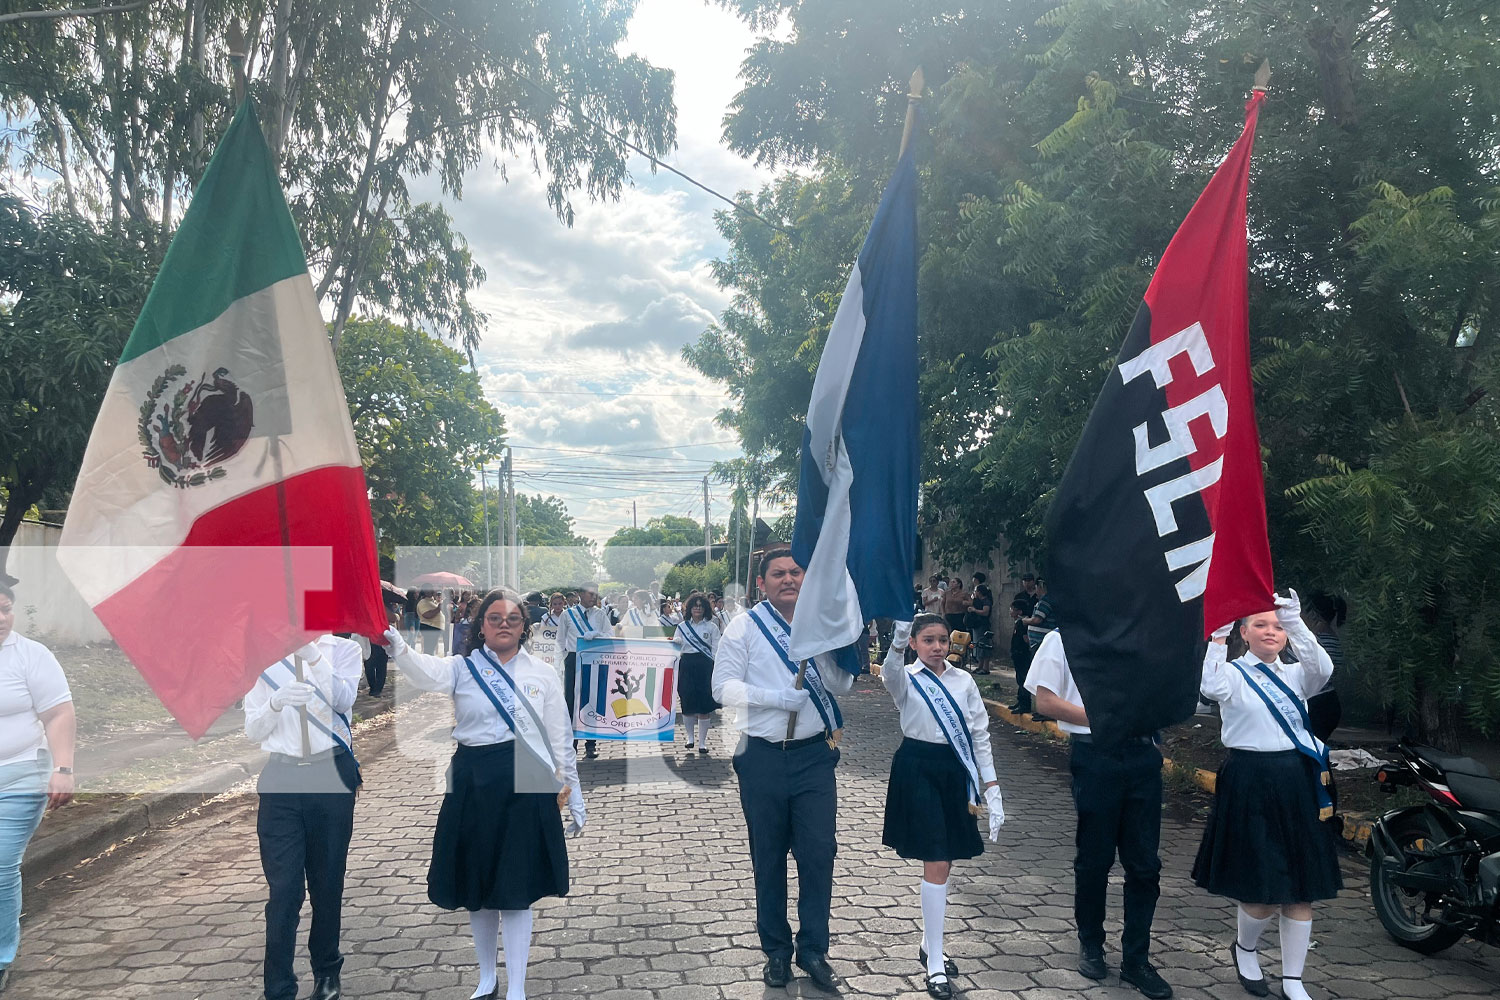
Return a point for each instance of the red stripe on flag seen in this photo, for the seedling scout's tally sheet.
(205, 621)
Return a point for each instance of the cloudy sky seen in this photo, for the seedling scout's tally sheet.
(586, 325)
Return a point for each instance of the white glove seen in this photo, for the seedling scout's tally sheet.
(1289, 608)
(901, 635)
(579, 813)
(397, 644)
(294, 694)
(791, 699)
(997, 811)
(1222, 632)
(309, 653)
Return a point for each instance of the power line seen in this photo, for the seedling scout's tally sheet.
(592, 392)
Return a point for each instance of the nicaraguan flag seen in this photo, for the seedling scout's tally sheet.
(856, 531)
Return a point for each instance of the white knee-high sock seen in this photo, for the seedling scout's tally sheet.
(1296, 935)
(485, 926)
(703, 721)
(517, 951)
(1248, 939)
(934, 905)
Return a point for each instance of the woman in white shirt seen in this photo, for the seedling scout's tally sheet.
(36, 759)
(697, 639)
(499, 845)
(1265, 845)
(940, 774)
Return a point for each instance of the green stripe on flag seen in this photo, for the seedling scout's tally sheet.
(236, 238)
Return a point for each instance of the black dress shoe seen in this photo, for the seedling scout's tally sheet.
(949, 966)
(1091, 965)
(326, 988)
(1254, 987)
(778, 972)
(590, 751)
(819, 971)
(938, 988)
(1144, 978)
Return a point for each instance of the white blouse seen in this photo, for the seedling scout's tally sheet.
(707, 631)
(917, 722)
(476, 723)
(1247, 724)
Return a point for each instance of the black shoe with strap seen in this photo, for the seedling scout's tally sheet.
(777, 973)
(949, 966)
(819, 971)
(326, 988)
(1254, 987)
(1091, 964)
(1145, 979)
(938, 987)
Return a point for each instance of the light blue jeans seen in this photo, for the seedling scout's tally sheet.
(23, 799)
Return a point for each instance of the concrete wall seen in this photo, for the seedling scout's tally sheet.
(1002, 584)
(48, 609)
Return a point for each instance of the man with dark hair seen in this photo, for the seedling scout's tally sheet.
(785, 764)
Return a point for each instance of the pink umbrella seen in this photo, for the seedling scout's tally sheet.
(442, 581)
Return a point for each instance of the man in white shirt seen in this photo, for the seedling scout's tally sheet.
(585, 620)
(1117, 793)
(785, 764)
(306, 814)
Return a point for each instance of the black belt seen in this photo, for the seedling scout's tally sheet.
(792, 744)
(321, 755)
(1089, 738)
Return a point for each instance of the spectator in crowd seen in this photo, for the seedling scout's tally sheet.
(1028, 592)
(932, 596)
(1041, 620)
(1325, 614)
(378, 661)
(981, 607)
(955, 605)
(36, 759)
(1020, 652)
(429, 619)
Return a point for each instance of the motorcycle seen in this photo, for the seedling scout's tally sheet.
(1435, 867)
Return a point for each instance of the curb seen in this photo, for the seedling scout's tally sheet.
(95, 825)
(1356, 825)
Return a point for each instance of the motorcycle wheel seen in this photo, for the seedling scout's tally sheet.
(1402, 911)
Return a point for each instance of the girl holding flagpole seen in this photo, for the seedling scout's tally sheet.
(1265, 845)
(697, 639)
(940, 775)
(499, 845)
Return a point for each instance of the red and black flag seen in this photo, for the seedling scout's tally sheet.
(1158, 532)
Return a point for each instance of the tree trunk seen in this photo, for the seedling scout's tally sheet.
(20, 497)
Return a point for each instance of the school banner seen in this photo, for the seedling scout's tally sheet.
(544, 642)
(626, 689)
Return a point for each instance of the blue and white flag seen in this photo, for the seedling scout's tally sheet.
(856, 531)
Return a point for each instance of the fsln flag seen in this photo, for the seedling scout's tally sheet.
(856, 528)
(220, 519)
(1158, 531)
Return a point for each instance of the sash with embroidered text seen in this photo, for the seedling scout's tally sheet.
(954, 727)
(1291, 715)
(775, 629)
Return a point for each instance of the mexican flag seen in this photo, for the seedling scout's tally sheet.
(220, 519)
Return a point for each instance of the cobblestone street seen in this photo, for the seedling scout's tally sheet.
(662, 905)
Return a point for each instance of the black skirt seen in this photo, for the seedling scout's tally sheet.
(495, 848)
(1264, 843)
(927, 814)
(695, 684)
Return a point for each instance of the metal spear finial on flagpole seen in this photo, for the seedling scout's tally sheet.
(239, 53)
(913, 95)
(1262, 76)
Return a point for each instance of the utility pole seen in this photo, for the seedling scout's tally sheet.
(489, 554)
(515, 563)
(750, 563)
(633, 522)
(708, 541)
(739, 528)
(500, 567)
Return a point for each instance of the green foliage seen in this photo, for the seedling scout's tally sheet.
(423, 427)
(637, 556)
(552, 555)
(686, 579)
(70, 295)
(1063, 144)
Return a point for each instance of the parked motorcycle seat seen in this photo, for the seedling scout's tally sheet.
(1451, 763)
(1475, 793)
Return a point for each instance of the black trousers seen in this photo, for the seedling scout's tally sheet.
(1021, 655)
(375, 668)
(790, 799)
(1117, 793)
(570, 684)
(304, 842)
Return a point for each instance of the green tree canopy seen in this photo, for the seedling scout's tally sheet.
(637, 556)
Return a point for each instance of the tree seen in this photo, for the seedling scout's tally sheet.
(71, 294)
(552, 556)
(696, 577)
(1064, 144)
(423, 427)
(637, 556)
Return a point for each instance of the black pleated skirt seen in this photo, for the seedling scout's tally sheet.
(927, 814)
(1264, 843)
(495, 848)
(695, 684)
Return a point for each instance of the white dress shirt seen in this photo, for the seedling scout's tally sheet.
(1049, 669)
(476, 722)
(567, 632)
(31, 682)
(335, 676)
(747, 669)
(707, 631)
(1246, 722)
(917, 722)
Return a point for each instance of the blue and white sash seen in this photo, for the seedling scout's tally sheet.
(1291, 715)
(636, 619)
(777, 633)
(550, 620)
(954, 727)
(580, 620)
(500, 688)
(693, 639)
(345, 742)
